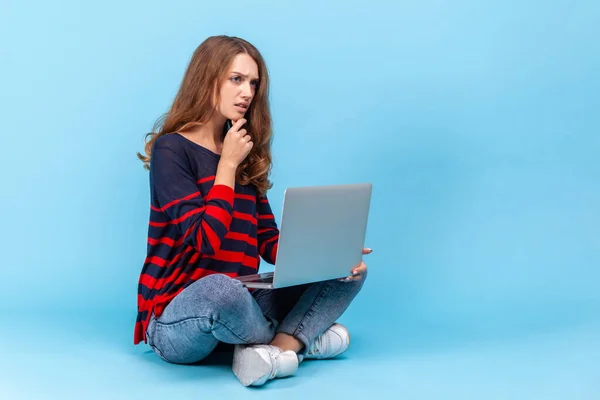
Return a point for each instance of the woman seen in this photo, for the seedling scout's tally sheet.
(210, 221)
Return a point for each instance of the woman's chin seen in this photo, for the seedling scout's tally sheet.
(234, 116)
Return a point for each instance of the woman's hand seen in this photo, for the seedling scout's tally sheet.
(358, 271)
(236, 145)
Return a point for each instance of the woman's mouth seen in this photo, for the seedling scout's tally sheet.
(241, 107)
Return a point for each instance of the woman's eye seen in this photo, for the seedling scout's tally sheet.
(235, 79)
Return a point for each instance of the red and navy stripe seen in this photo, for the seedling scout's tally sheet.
(229, 238)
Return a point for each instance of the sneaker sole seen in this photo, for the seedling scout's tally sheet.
(249, 367)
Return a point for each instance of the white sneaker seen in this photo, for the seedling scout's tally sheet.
(255, 365)
(331, 343)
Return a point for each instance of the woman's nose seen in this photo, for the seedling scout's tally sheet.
(247, 91)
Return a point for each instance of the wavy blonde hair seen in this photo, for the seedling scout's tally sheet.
(195, 103)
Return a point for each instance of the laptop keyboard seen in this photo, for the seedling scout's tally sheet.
(268, 279)
(263, 278)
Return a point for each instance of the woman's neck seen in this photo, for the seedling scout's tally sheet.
(209, 135)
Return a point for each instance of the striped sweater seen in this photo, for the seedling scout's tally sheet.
(197, 228)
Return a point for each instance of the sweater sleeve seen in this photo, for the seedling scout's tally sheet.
(268, 233)
(202, 221)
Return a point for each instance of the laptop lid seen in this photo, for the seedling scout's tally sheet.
(322, 233)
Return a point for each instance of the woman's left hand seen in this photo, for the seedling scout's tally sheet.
(358, 271)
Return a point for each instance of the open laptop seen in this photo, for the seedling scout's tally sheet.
(321, 235)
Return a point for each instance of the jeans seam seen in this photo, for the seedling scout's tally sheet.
(160, 353)
(268, 312)
(261, 294)
(321, 294)
(177, 323)
(271, 302)
(153, 345)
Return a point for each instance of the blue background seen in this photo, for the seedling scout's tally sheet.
(477, 122)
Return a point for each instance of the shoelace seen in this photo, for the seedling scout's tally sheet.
(317, 344)
(274, 362)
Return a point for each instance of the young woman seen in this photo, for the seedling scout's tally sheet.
(210, 221)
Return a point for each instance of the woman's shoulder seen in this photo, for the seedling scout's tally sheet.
(174, 149)
(170, 141)
(184, 147)
(168, 151)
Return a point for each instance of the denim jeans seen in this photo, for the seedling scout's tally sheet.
(218, 309)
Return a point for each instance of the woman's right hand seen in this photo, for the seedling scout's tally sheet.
(236, 145)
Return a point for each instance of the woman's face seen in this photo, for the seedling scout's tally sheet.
(239, 88)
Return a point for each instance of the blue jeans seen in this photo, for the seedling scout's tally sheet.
(218, 309)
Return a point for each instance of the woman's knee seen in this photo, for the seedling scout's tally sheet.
(221, 291)
(356, 285)
(181, 343)
(214, 288)
(204, 297)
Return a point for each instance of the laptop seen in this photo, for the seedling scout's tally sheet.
(321, 235)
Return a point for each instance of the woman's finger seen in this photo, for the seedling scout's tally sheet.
(351, 278)
(362, 267)
(356, 273)
(354, 277)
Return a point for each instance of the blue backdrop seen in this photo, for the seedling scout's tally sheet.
(477, 122)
